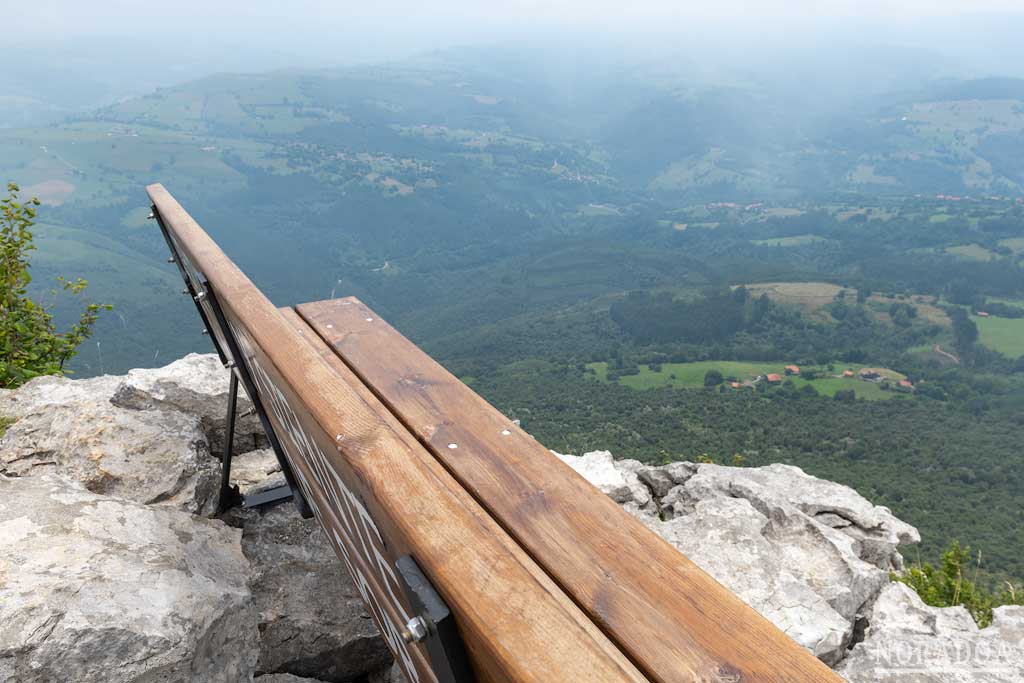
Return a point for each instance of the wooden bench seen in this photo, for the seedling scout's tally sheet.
(526, 571)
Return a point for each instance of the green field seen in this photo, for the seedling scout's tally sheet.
(691, 375)
(971, 252)
(1016, 244)
(794, 241)
(1005, 335)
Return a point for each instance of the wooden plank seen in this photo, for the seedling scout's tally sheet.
(673, 620)
(380, 495)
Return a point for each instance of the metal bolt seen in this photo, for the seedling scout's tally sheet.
(185, 291)
(250, 411)
(170, 260)
(415, 630)
(230, 364)
(151, 216)
(453, 446)
(200, 296)
(205, 331)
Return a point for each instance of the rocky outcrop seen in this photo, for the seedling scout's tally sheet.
(910, 642)
(158, 456)
(100, 589)
(256, 471)
(813, 557)
(312, 621)
(196, 385)
(143, 442)
(118, 583)
(810, 555)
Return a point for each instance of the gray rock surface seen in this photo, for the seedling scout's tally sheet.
(70, 427)
(910, 642)
(810, 555)
(198, 385)
(312, 621)
(813, 557)
(96, 589)
(256, 471)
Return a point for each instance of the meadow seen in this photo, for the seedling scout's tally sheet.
(1005, 335)
(691, 375)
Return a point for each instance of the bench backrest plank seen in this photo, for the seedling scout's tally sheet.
(674, 621)
(380, 494)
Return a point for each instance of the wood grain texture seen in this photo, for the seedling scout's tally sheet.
(673, 620)
(368, 477)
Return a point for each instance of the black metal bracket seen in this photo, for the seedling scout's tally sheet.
(433, 625)
(230, 496)
(231, 356)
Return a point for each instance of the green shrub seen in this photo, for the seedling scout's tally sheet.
(948, 585)
(30, 344)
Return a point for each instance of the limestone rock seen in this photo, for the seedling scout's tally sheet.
(97, 589)
(312, 621)
(657, 480)
(69, 427)
(786, 490)
(198, 385)
(256, 471)
(731, 541)
(910, 642)
(810, 555)
(599, 469)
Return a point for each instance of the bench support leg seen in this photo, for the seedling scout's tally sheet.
(229, 496)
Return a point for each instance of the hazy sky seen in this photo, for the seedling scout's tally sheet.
(145, 44)
(460, 19)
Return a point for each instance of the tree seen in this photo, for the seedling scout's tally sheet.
(713, 378)
(30, 344)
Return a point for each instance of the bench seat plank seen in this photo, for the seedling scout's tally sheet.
(673, 620)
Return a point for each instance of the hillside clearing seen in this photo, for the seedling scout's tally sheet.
(691, 375)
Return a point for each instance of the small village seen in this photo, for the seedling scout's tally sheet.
(873, 375)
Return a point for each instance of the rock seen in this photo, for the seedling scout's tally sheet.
(285, 678)
(197, 385)
(730, 540)
(393, 674)
(44, 392)
(598, 468)
(810, 555)
(639, 495)
(1010, 618)
(657, 480)
(876, 532)
(312, 621)
(256, 471)
(69, 427)
(909, 642)
(98, 589)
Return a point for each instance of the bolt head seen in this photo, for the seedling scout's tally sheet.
(416, 630)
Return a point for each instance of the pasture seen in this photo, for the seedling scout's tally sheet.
(691, 376)
(794, 241)
(1005, 335)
